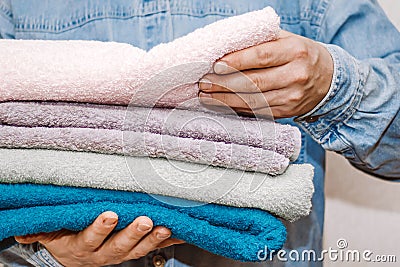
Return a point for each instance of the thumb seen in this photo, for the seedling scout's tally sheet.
(43, 238)
(29, 239)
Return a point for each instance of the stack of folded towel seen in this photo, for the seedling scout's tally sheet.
(85, 126)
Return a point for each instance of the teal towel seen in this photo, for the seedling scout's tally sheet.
(237, 233)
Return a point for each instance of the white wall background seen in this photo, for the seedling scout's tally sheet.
(362, 209)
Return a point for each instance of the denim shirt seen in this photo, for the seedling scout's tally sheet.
(358, 118)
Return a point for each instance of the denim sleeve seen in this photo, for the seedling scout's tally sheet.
(359, 118)
(6, 20)
(28, 255)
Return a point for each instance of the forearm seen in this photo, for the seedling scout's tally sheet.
(359, 118)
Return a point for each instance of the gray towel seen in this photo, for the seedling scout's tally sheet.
(145, 144)
(287, 195)
(283, 139)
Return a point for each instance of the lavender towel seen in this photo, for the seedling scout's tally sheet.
(113, 73)
(145, 144)
(229, 129)
(287, 195)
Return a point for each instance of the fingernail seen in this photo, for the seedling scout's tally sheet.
(143, 227)
(205, 84)
(110, 221)
(204, 95)
(162, 235)
(220, 67)
(205, 98)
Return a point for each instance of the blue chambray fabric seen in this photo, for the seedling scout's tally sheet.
(354, 119)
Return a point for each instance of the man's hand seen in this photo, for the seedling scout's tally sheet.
(288, 77)
(94, 247)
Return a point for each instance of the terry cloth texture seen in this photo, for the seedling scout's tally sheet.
(115, 73)
(262, 133)
(236, 233)
(287, 195)
(145, 144)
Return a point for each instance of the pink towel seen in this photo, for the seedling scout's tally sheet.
(114, 73)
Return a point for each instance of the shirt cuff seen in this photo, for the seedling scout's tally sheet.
(37, 255)
(341, 101)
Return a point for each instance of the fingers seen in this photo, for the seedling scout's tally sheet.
(96, 246)
(150, 242)
(94, 235)
(294, 65)
(279, 103)
(125, 240)
(135, 241)
(236, 82)
(253, 81)
(240, 101)
(269, 54)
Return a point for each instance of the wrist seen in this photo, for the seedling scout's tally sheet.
(341, 101)
(47, 257)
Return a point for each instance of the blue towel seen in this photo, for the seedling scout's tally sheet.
(237, 233)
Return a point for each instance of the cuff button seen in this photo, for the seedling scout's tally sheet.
(159, 261)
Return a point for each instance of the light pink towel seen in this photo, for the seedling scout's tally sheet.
(114, 73)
